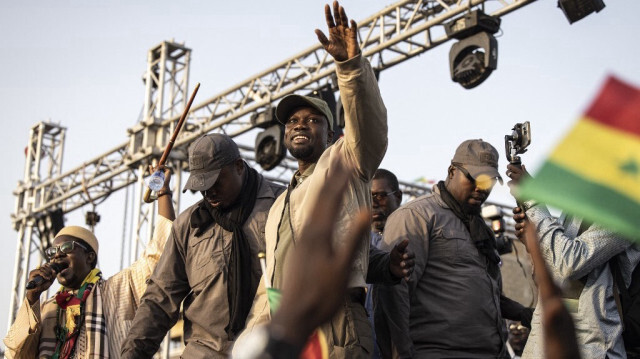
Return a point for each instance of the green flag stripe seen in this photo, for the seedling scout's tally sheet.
(574, 194)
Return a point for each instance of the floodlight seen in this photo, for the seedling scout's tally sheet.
(475, 56)
(49, 224)
(575, 10)
(270, 149)
(472, 60)
(265, 118)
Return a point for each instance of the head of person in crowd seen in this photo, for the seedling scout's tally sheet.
(472, 174)
(216, 170)
(386, 197)
(76, 250)
(308, 126)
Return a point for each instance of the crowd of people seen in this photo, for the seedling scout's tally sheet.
(372, 277)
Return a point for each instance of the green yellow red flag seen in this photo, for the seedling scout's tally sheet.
(316, 346)
(594, 172)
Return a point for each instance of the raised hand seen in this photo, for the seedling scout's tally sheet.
(165, 203)
(343, 39)
(521, 222)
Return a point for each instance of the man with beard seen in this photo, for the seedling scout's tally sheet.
(452, 305)
(308, 137)
(89, 316)
(210, 265)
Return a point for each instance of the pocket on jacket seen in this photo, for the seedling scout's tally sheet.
(207, 260)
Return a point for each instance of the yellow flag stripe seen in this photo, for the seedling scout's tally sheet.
(597, 152)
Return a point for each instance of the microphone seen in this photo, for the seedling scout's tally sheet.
(57, 267)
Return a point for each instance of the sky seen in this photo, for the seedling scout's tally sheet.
(80, 64)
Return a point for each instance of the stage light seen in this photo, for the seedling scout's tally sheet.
(264, 119)
(49, 224)
(475, 56)
(270, 149)
(575, 10)
(472, 60)
(494, 214)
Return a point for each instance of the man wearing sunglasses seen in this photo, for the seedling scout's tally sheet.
(452, 305)
(89, 316)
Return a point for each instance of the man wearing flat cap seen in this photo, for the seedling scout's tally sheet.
(89, 316)
(309, 130)
(452, 305)
(210, 265)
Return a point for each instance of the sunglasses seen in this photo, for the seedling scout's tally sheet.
(488, 183)
(380, 196)
(66, 248)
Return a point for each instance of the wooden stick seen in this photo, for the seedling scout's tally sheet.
(165, 155)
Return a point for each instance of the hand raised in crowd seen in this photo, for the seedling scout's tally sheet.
(343, 39)
(315, 281)
(165, 203)
(402, 260)
(559, 331)
(516, 173)
(48, 274)
(521, 223)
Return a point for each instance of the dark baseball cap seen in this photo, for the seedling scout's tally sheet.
(291, 102)
(207, 155)
(478, 157)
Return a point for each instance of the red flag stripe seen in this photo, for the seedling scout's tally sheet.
(618, 106)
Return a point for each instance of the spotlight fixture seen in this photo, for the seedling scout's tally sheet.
(270, 149)
(91, 218)
(575, 10)
(475, 56)
(494, 214)
(49, 224)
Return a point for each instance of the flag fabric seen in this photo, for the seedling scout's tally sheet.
(316, 346)
(594, 173)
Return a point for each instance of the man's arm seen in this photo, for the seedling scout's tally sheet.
(570, 258)
(24, 334)
(392, 306)
(573, 258)
(390, 267)
(365, 132)
(133, 279)
(160, 304)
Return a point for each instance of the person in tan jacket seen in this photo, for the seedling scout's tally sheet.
(88, 317)
(309, 137)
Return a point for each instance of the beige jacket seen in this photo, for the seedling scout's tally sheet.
(120, 297)
(363, 146)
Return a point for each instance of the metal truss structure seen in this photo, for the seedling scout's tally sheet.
(395, 34)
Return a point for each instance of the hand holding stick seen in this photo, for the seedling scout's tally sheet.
(147, 195)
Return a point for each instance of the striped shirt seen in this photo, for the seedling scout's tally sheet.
(32, 333)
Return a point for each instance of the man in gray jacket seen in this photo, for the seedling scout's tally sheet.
(452, 305)
(210, 261)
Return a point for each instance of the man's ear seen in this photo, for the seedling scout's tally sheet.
(450, 173)
(398, 195)
(329, 137)
(92, 258)
(239, 165)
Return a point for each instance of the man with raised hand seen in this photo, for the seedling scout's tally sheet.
(89, 317)
(308, 137)
(210, 266)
